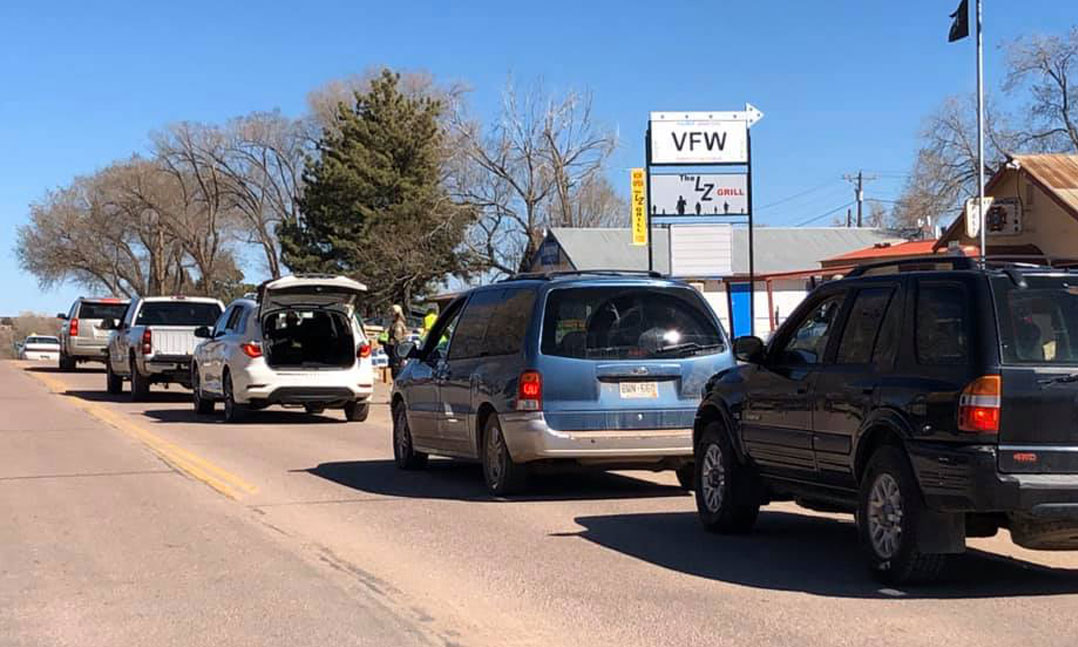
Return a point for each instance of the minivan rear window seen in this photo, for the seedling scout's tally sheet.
(178, 313)
(628, 322)
(90, 310)
(1038, 324)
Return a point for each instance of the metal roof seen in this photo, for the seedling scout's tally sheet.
(1057, 173)
(778, 249)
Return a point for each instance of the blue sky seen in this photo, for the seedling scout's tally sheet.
(844, 85)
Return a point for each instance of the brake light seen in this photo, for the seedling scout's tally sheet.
(364, 350)
(251, 349)
(979, 405)
(530, 391)
(147, 342)
(73, 328)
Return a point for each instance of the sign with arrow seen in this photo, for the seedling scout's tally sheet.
(702, 137)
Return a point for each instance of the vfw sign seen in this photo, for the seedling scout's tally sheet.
(701, 137)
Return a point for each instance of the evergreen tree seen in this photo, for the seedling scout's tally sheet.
(374, 206)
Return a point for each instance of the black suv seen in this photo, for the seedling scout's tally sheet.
(936, 400)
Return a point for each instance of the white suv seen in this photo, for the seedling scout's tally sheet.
(300, 344)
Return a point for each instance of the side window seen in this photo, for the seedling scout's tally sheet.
(863, 326)
(234, 319)
(809, 340)
(442, 333)
(468, 339)
(941, 324)
(222, 322)
(883, 355)
(509, 322)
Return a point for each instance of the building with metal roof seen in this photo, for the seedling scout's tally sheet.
(1034, 213)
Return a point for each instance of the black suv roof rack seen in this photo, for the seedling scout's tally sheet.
(546, 276)
(916, 264)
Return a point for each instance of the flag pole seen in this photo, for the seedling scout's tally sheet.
(980, 135)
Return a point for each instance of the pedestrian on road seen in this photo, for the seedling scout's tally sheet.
(398, 334)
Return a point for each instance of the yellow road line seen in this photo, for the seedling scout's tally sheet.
(184, 460)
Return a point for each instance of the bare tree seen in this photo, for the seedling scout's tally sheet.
(540, 165)
(1045, 67)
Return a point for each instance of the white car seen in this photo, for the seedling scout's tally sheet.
(301, 344)
(40, 347)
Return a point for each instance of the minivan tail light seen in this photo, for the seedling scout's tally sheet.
(251, 349)
(364, 350)
(73, 328)
(979, 405)
(147, 342)
(530, 391)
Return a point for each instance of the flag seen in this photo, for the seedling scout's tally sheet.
(960, 26)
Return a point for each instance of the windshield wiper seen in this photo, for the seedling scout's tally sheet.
(687, 347)
(1059, 379)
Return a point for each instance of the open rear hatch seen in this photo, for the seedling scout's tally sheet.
(307, 322)
(1038, 328)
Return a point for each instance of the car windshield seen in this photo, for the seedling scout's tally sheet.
(628, 322)
(91, 310)
(178, 313)
(1038, 324)
(42, 340)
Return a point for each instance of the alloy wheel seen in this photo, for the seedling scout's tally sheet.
(402, 436)
(885, 516)
(713, 477)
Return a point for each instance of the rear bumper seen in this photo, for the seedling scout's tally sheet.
(529, 438)
(325, 396)
(175, 367)
(259, 385)
(86, 348)
(967, 479)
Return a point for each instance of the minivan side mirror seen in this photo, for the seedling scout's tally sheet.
(749, 349)
(107, 324)
(406, 350)
(203, 332)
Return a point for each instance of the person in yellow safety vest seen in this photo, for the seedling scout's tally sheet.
(429, 319)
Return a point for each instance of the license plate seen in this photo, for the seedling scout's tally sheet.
(639, 390)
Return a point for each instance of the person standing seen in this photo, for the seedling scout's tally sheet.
(398, 334)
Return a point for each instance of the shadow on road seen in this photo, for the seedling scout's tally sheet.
(93, 368)
(446, 479)
(267, 417)
(817, 555)
(105, 396)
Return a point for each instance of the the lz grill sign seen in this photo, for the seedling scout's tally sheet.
(698, 138)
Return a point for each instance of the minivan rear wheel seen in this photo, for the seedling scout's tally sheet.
(725, 489)
(503, 475)
(889, 510)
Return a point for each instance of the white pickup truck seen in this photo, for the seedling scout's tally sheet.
(154, 341)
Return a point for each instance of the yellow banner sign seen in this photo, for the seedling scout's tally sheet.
(639, 202)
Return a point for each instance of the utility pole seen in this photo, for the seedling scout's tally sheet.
(980, 135)
(859, 191)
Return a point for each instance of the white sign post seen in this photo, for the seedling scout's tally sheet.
(702, 137)
(700, 194)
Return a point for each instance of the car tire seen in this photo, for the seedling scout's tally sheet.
(889, 509)
(114, 384)
(502, 474)
(203, 405)
(357, 411)
(313, 408)
(234, 412)
(404, 453)
(140, 386)
(686, 476)
(66, 363)
(727, 498)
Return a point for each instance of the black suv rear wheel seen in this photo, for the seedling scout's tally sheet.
(887, 517)
(725, 489)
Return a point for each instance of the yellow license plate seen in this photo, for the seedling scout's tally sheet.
(639, 390)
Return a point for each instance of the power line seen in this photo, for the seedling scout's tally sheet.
(795, 196)
(825, 214)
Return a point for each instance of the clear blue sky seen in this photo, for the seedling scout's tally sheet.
(844, 84)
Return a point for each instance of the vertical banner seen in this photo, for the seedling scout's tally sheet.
(639, 203)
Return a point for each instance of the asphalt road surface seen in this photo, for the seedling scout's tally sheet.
(142, 524)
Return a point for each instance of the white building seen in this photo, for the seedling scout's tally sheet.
(787, 260)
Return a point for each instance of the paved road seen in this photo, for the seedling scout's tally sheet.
(140, 524)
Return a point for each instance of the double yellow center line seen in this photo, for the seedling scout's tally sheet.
(179, 458)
